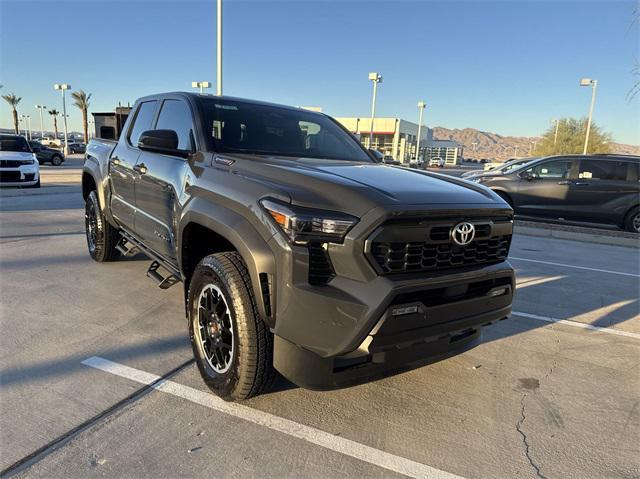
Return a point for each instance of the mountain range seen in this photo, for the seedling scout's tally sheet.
(480, 144)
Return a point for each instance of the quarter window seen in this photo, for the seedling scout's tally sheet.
(142, 121)
(175, 115)
(603, 170)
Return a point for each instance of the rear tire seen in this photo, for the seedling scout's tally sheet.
(102, 238)
(632, 220)
(56, 160)
(232, 345)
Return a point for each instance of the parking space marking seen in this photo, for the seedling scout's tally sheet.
(576, 267)
(577, 324)
(309, 434)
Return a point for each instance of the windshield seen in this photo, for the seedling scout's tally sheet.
(16, 143)
(243, 127)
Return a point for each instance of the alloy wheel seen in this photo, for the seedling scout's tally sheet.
(215, 328)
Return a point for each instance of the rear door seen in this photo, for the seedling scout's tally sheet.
(606, 188)
(123, 159)
(543, 189)
(160, 180)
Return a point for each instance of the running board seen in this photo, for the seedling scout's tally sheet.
(126, 247)
(163, 282)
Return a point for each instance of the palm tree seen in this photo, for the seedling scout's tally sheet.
(13, 101)
(54, 113)
(81, 100)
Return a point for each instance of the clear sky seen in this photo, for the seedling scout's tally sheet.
(501, 66)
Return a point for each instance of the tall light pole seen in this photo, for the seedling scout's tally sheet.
(375, 78)
(63, 87)
(92, 124)
(219, 53)
(29, 126)
(555, 137)
(421, 106)
(23, 119)
(594, 85)
(41, 107)
(201, 85)
(515, 151)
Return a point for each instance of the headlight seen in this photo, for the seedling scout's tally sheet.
(303, 225)
(27, 162)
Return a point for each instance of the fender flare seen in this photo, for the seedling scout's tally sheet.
(252, 246)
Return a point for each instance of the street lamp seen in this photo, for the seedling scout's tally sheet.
(201, 85)
(594, 85)
(23, 119)
(92, 124)
(219, 52)
(62, 87)
(475, 145)
(421, 107)
(375, 78)
(555, 137)
(29, 126)
(41, 107)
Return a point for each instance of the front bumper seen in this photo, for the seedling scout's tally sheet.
(26, 175)
(352, 336)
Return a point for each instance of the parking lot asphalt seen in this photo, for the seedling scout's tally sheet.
(552, 392)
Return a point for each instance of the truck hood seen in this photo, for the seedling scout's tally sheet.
(355, 186)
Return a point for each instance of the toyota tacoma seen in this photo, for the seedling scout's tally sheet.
(298, 251)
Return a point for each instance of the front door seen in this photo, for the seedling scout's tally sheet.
(121, 163)
(160, 181)
(543, 189)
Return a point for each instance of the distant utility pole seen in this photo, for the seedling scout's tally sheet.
(594, 85)
(41, 107)
(29, 126)
(515, 151)
(219, 46)
(62, 87)
(532, 146)
(23, 118)
(555, 137)
(475, 145)
(421, 106)
(375, 78)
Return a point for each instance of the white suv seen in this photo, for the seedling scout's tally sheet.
(18, 164)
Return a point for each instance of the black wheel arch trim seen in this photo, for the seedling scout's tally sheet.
(250, 244)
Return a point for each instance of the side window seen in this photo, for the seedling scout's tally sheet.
(142, 121)
(175, 115)
(603, 170)
(551, 169)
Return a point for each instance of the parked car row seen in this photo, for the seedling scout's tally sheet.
(602, 189)
(75, 146)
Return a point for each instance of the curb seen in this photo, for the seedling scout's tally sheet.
(578, 236)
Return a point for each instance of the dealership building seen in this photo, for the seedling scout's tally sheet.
(393, 137)
(450, 151)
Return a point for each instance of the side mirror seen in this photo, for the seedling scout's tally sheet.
(161, 141)
(379, 157)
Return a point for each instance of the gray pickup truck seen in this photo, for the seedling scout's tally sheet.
(298, 251)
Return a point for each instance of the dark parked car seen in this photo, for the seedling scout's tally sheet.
(77, 147)
(600, 189)
(46, 154)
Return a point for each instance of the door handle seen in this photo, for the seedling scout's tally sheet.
(115, 160)
(141, 168)
(564, 182)
(581, 183)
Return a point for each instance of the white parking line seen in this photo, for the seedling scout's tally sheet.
(324, 439)
(576, 267)
(577, 324)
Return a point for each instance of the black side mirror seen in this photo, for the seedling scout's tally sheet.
(379, 157)
(161, 141)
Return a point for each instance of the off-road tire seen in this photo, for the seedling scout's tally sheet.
(250, 369)
(102, 247)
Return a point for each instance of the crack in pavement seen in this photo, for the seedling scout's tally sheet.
(525, 441)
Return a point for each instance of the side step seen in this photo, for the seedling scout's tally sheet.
(126, 247)
(164, 282)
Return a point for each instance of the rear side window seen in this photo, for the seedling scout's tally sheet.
(603, 170)
(551, 169)
(142, 121)
(175, 115)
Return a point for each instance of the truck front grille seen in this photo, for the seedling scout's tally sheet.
(9, 176)
(9, 163)
(436, 251)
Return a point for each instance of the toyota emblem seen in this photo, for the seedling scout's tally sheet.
(463, 233)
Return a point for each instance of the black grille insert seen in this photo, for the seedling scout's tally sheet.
(9, 163)
(9, 176)
(320, 267)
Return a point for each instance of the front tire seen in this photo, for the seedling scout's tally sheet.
(632, 220)
(232, 345)
(56, 160)
(102, 238)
